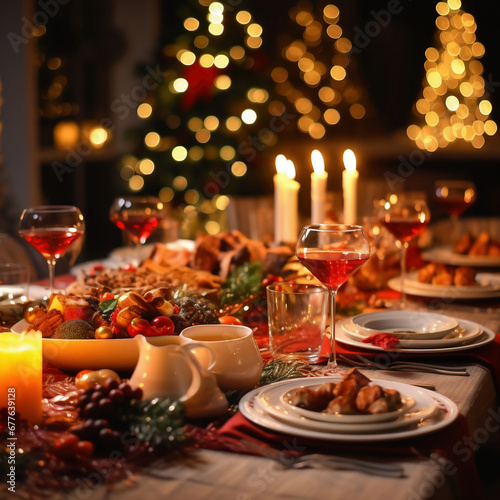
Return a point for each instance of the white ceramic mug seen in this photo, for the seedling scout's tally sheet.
(238, 363)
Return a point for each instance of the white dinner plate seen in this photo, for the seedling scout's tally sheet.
(271, 400)
(402, 324)
(484, 338)
(254, 412)
(463, 333)
(446, 255)
(414, 287)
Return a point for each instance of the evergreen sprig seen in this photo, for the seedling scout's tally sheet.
(243, 282)
(158, 422)
(276, 370)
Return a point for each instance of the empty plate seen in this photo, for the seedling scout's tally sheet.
(403, 324)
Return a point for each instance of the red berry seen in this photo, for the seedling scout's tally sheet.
(84, 448)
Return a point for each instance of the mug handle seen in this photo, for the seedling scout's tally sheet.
(192, 346)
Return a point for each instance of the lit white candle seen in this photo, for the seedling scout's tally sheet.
(319, 180)
(280, 179)
(349, 187)
(291, 205)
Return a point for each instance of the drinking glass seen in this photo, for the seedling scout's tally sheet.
(332, 252)
(137, 216)
(405, 216)
(51, 230)
(455, 196)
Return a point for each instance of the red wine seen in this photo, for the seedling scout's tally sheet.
(455, 205)
(404, 229)
(138, 226)
(51, 242)
(331, 267)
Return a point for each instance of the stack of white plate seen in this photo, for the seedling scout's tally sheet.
(417, 331)
(423, 411)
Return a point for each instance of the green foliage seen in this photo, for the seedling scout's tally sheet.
(158, 422)
(275, 371)
(243, 282)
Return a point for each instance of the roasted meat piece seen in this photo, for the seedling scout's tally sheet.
(463, 245)
(393, 398)
(480, 246)
(367, 395)
(311, 400)
(346, 388)
(342, 404)
(464, 276)
(378, 406)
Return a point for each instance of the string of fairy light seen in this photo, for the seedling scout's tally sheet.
(324, 82)
(196, 46)
(453, 103)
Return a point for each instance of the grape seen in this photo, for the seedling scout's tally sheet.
(111, 384)
(117, 396)
(101, 407)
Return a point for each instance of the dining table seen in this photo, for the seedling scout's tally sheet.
(231, 457)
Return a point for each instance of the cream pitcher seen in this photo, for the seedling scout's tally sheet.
(172, 371)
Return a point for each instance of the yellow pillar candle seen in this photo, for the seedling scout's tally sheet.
(319, 180)
(21, 375)
(350, 186)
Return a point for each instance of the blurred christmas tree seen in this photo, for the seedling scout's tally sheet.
(319, 75)
(454, 104)
(207, 120)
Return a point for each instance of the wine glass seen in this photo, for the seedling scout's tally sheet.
(455, 196)
(138, 216)
(51, 229)
(405, 216)
(332, 252)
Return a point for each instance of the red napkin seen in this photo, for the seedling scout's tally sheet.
(445, 443)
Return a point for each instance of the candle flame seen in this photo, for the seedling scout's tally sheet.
(290, 169)
(318, 162)
(349, 160)
(281, 164)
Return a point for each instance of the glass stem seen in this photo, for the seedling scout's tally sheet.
(404, 247)
(52, 267)
(332, 358)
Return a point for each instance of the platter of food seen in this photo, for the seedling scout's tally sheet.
(271, 401)
(414, 286)
(93, 322)
(446, 255)
(481, 251)
(264, 407)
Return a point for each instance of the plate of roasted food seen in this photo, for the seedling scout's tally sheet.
(349, 407)
(477, 251)
(447, 282)
(92, 324)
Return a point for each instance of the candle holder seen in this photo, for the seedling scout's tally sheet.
(21, 376)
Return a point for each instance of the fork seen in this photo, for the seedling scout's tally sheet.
(414, 366)
(316, 460)
(321, 461)
(362, 364)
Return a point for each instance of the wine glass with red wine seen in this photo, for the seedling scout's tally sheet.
(405, 216)
(455, 196)
(138, 217)
(332, 252)
(51, 230)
